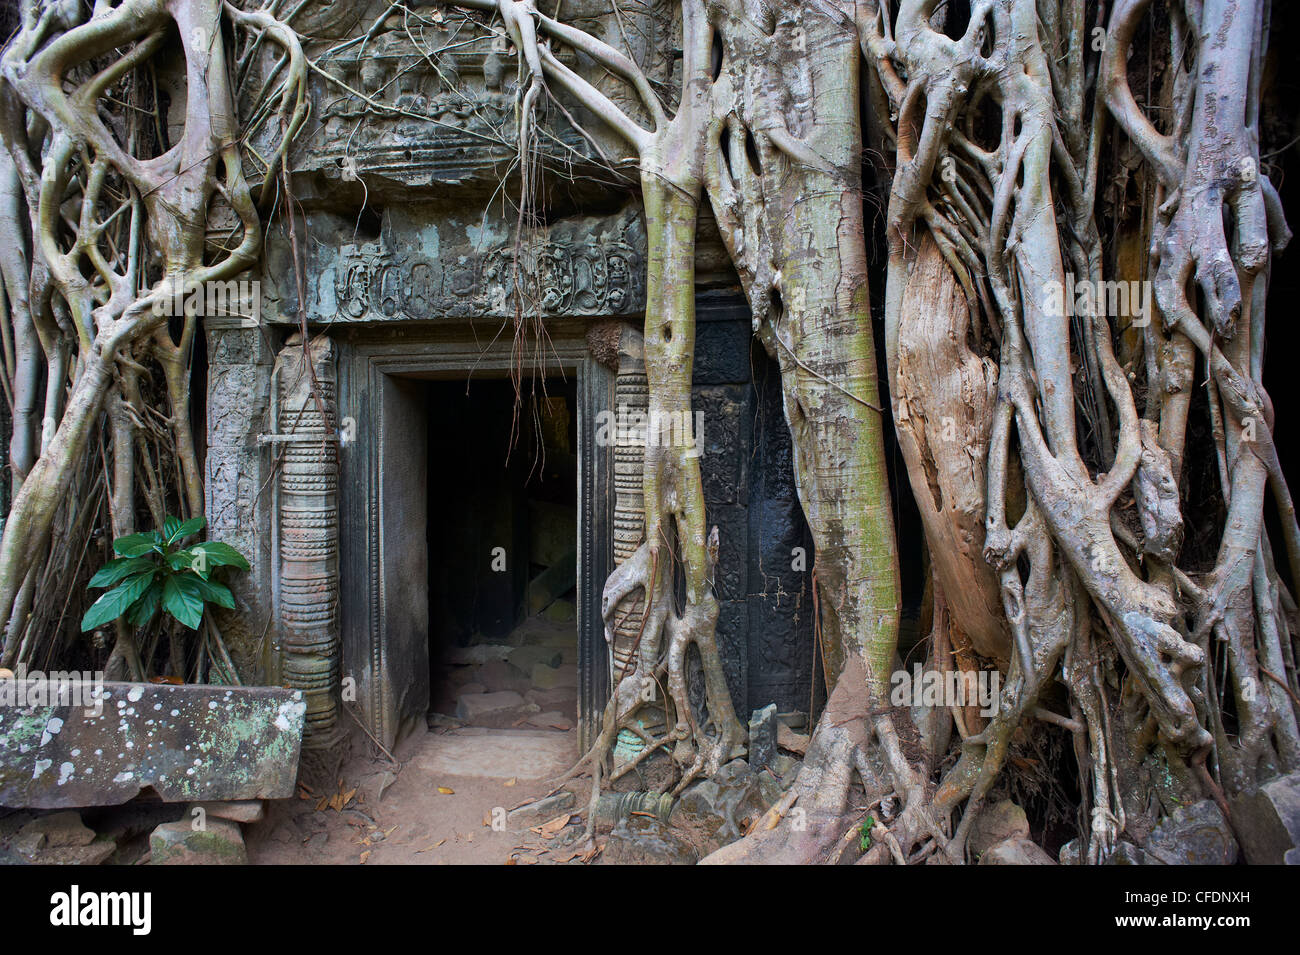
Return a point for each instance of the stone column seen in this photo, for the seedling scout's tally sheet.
(306, 443)
(631, 400)
(237, 503)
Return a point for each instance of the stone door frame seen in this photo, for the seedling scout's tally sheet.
(369, 360)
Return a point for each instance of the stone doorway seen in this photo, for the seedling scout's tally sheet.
(386, 380)
(501, 526)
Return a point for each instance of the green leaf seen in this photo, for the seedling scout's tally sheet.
(182, 600)
(213, 592)
(115, 602)
(864, 833)
(137, 545)
(182, 560)
(118, 570)
(143, 610)
(216, 554)
(175, 530)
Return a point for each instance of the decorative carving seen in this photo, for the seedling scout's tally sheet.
(438, 107)
(308, 529)
(631, 402)
(580, 267)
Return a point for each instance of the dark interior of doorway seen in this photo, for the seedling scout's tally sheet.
(502, 536)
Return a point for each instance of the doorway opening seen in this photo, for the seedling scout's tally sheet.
(502, 534)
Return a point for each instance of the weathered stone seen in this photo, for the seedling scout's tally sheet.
(722, 338)
(638, 840)
(60, 829)
(762, 737)
(1268, 820)
(236, 810)
(560, 611)
(1071, 853)
(550, 678)
(552, 583)
(28, 843)
(479, 653)
(613, 806)
(1126, 854)
(787, 738)
(1016, 851)
(562, 698)
(724, 447)
(246, 741)
(536, 813)
(477, 707)
(526, 657)
(1194, 835)
(733, 648)
(997, 823)
(782, 764)
(554, 720)
(552, 529)
(502, 754)
(219, 842)
(499, 675)
(94, 853)
(720, 809)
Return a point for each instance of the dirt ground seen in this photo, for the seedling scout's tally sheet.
(426, 815)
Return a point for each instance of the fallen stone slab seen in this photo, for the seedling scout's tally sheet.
(563, 698)
(101, 744)
(498, 675)
(502, 705)
(219, 842)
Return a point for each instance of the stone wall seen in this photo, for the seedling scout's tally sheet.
(765, 631)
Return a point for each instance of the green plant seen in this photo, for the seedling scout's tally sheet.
(153, 572)
(864, 833)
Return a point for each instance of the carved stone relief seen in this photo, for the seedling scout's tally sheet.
(426, 266)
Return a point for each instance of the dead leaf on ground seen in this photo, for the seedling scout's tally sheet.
(446, 790)
(549, 829)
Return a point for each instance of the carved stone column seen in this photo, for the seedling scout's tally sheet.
(236, 470)
(631, 401)
(307, 512)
